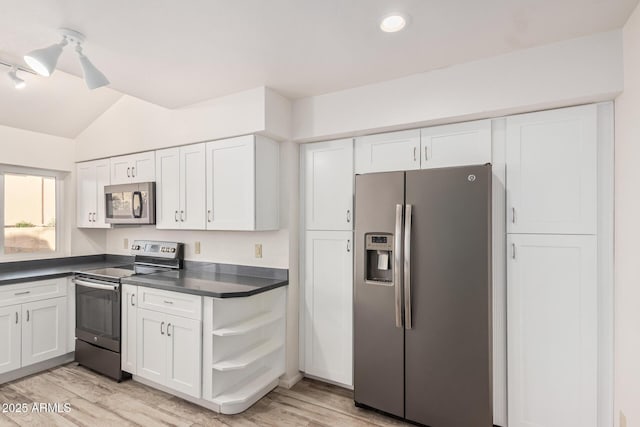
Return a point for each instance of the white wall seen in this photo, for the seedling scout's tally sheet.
(587, 69)
(627, 234)
(133, 125)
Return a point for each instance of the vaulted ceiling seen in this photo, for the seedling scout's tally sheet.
(175, 53)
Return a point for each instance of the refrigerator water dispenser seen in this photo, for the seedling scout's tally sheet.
(379, 258)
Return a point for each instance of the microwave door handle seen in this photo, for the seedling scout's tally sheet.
(137, 213)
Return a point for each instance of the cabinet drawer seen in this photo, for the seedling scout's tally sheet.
(176, 303)
(32, 291)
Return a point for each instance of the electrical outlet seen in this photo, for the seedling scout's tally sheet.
(126, 243)
(197, 249)
(258, 250)
(623, 419)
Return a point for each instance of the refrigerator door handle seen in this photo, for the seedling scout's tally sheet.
(397, 278)
(407, 267)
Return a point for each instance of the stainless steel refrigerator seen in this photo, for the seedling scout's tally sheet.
(422, 297)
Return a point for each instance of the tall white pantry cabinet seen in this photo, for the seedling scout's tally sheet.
(327, 300)
(557, 340)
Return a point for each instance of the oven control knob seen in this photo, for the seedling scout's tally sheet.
(164, 249)
(173, 250)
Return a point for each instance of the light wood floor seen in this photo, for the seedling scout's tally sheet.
(97, 401)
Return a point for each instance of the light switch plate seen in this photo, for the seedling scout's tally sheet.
(126, 243)
(258, 250)
(197, 248)
(623, 420)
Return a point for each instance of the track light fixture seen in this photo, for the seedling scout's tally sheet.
(18, 83)
(43, 61)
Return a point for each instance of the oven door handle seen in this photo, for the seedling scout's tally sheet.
(95, 285)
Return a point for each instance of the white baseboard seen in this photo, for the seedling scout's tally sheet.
(291, 381)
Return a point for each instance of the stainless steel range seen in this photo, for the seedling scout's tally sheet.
(98, 303)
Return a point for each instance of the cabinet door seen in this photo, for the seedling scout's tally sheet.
(10, 338)
(168, 188)
(192, 187)
(394, 151)
(551, 171)
(103, 178)
(44, 330)
(143, 167)
(231, 184)
(151, 345)
(552, 335)
(129, 325)
(328, 296)
(328, 176)
(461, 144)
(184, 355)
(120, 170)
(86, 196)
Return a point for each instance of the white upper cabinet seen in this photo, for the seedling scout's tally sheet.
(242, 184)
(180, 188)
(551, 171)
(553, 330)
(328, 185)
(385, 152)
(133, 168)
(456, 145)
(90, 204)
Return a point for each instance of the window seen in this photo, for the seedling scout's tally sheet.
(29, 213)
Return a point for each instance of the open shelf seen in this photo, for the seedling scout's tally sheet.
(234, 400)
(242, 360)
(248, 325)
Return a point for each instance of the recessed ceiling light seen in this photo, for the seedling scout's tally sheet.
(393, 23)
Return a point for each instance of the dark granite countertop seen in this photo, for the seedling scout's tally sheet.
(26, 271)
(215, 280)
(205, 279)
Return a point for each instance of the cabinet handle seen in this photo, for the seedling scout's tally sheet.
(414, 154)
(513, 251)
(162, 328)
(132, 303)
(182, 216)
(168, 326)
(513, 215)
(16, 317)
(22, 293)
(133, 172)
(94, 217)
(348, 245)
(168, 302)
(209, 215)
(89, 216)
(128, 172)
(348, 215)
(426, 154)
(27, 315)
(175, 216)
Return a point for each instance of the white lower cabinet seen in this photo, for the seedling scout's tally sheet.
(168, 347)
(128, 336)
(552, 338)
(10, 332)
(43, 330)
(328, 306)
(33, 323)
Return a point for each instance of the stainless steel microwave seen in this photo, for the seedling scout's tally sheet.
(130, 203)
